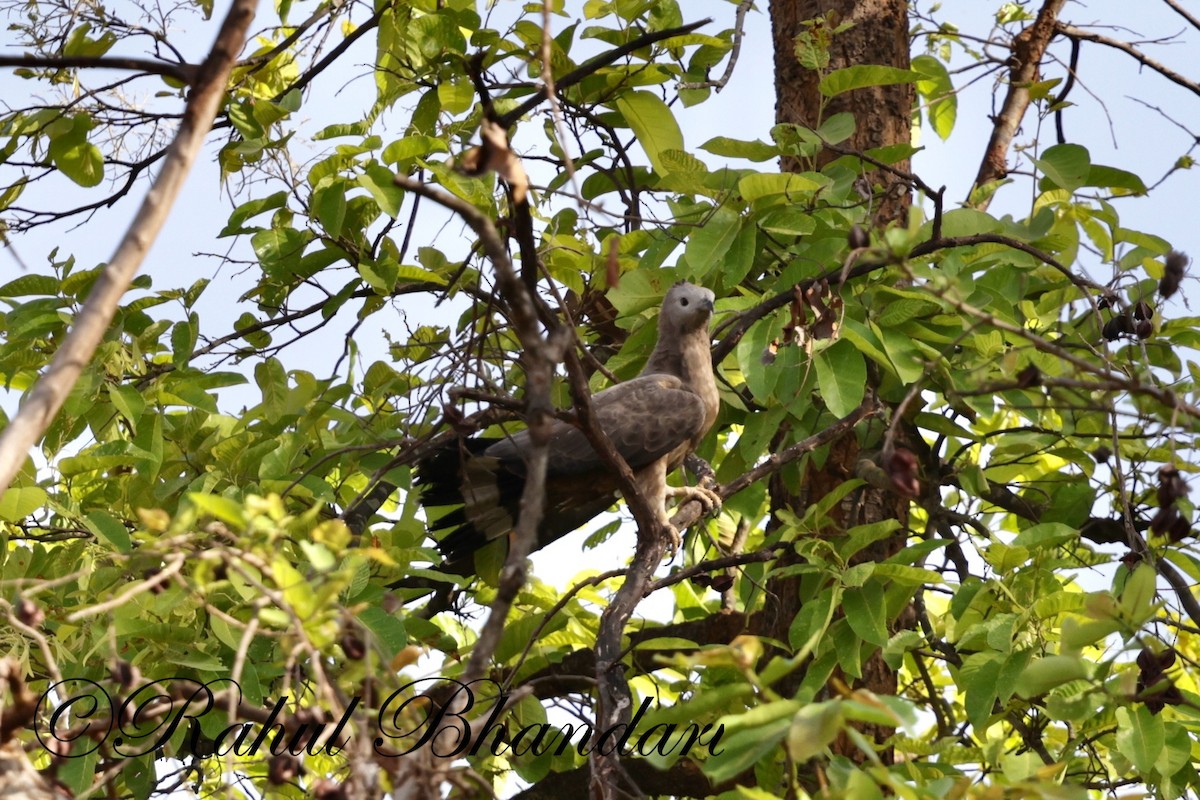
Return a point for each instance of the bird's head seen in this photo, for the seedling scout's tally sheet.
(686, 308)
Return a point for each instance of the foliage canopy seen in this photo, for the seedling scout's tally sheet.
(226, 493)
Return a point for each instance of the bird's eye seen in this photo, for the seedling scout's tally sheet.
(683, 302)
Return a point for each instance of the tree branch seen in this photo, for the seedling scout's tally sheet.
(1028, 48)
(1128, 49)
(738, 24)
(538, 358)
(1183, 12)
(185, 73)
(47, 396)
(599, 62)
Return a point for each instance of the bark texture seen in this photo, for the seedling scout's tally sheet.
(883, 117)
(883, 114)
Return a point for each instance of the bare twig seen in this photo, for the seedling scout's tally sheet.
(739, 23)
(186, 73)
(538, 357)
(1128, 49)
(174, 565)
(587, 68)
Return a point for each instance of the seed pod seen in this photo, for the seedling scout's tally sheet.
(283, 768)
(1173, 272)
(325, 789)
(1144, 329)
(1180, 528)
(1148, 661)
(901, 467)
(1143, 310)
(722, 583)
(125, 674)
(29, 613)
(1163, 519)
(1112, 329)
(1102, 454)
(1131, 559)
(352, 646)
(1171, 486)
(858, 237)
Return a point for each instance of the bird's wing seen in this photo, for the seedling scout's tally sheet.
(646, 418)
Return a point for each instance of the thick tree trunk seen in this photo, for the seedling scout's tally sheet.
(883, 117)
(883, 114)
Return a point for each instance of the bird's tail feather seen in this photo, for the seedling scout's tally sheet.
(484, 493)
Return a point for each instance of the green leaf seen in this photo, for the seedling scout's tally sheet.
(860, 76)
(222, 508)
(864, 608)
(653, 123)
(736, 148)
(297, 591)
(1113, 178)
(377, 180)
(787, 220)
(80, 44)
(709, 243)
(78, 771)
(279, 250)
(1176, 752)
(31, 285)
(1065, 165)
(740, 257)
(968, 221)
(128, 401)
(19, 502)
(183, 340)
(329, 203)
(937, 89)
(1138, 596)
(811, 623)
(978, 680)
(250, 209)
(273, 383)
(837, 128)
(412, 147)
(388, 631)
(75, 156)
(380, 274)
(1046, 673)
(1048, 535)
(1077, 635)
(109, 529)
(841, 376)
(908, 575)
(456, 96)
(813, 728)
(742, 749)
(1140, 737)
(758, 185)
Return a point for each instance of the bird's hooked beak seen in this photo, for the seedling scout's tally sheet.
(707, 305)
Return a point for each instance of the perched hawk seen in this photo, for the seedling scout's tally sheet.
(654, 421)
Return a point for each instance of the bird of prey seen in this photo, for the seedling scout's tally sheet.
(654, 421)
